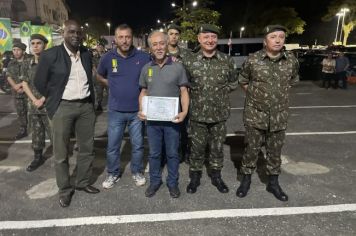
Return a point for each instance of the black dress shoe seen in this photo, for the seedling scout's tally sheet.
(151, 190)
(174, 192)
(89, 189)
(219, 184)
(277, 191)
(64, 201)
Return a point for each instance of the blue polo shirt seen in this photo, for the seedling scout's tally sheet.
(123, 74)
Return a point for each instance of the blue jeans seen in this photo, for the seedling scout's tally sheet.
(163, 133)
(117, 122)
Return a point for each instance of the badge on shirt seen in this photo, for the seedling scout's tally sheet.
(114, 65)
(150, 72)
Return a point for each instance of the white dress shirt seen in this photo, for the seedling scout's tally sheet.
(77, 86)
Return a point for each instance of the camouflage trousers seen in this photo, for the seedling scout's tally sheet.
(207, 136)
(40, 126)
(254, 140)
(99, 92)
(21, 109)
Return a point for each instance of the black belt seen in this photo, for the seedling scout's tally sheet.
(84, 100)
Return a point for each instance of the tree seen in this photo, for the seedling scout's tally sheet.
(191, 18)
(285, 16)
(349, 18)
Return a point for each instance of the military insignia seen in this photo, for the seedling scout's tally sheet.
(114, 65)
(150, 72)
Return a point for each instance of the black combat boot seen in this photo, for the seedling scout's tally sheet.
(37, 161)
(217, 181)
(22, 133)
(274, 188)
(194, 181)
(244, 186)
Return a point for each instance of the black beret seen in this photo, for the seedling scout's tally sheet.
(207, 28)
(273, 28)
(40, 37)
(20, 45)
(174, 26)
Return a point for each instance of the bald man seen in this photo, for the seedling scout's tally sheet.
(64, 78)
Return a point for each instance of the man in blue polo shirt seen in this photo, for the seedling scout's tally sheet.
(163, 78)
(119, 70)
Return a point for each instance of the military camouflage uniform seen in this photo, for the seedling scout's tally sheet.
(99, 87)
(38, 116)
(266, 106)
(211, 80)
(181, 55)
(15, 71)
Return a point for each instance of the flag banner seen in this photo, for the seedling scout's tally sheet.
(45, 31)
(25, 29)
(5, 35)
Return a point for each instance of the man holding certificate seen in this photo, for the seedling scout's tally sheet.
(163, 84)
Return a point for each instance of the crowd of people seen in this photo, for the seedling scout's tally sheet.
(56, 89)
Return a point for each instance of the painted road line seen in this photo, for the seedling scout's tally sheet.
(177, 216)
(307, 107)
(242, 134)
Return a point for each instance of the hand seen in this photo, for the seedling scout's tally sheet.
(174, 58)
(180, 117)
(38, 102)
(141, 116)
(18, 88)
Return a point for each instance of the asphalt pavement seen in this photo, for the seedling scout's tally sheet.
(318, 174)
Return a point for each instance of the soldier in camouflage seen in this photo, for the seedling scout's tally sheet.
(179, 54)
(39, 119)
(14, 73)
(99, 87)
(267, 76)
(213, 75)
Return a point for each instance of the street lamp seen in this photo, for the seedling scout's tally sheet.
(343, 12)
(86, 24)
(108, 25)
(242, 30)
(339, 14)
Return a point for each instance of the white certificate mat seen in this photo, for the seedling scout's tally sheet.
(160, 108)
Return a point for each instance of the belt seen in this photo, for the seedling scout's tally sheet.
(84, 100)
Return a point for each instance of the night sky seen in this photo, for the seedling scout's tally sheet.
(143, 13)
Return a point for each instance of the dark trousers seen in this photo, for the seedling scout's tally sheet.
(81, 116)
(341, 76)
(327, 78)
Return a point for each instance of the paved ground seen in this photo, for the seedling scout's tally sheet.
(319, 173)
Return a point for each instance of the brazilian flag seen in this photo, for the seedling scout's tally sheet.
(5, 35)
(25, 29)
(45, 31)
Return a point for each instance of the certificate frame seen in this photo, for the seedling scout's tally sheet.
(160, 108)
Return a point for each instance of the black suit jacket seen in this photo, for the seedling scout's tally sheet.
(53, 72)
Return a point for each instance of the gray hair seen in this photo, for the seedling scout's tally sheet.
(156, 32)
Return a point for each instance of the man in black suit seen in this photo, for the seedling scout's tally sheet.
(64, 78)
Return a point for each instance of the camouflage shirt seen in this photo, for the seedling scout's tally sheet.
(211, 81)
(30, 67)
(181, 54)
(16, 71)
(267, 95)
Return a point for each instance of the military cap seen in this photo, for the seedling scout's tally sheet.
(207, 28)
(174, 26)
(20, 45)
(272, 28)
(40, 37)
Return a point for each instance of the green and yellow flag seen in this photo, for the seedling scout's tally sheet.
(5, 35)
(45, 31)
(25, 29)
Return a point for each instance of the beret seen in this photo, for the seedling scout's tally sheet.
(208, 28)
(20, 45)
(273, 28)
(174, 26)
(40, 37)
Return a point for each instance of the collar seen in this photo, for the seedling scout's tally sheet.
(70, 53)
(201, 55)
(264, 55)
(169, 61)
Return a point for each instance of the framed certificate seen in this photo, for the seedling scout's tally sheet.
(160, 108)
